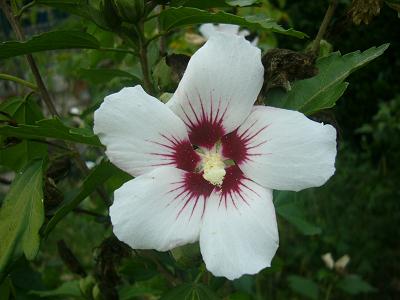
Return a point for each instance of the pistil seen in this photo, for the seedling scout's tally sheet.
(213, 168)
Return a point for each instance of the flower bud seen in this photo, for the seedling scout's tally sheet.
(129, 11)
(109, 14)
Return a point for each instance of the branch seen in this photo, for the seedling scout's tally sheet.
(69, 259)
(324, 25)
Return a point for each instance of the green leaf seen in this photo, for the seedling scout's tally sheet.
(101, 76)
(322, 91)
(304, 286)
(202, 4)
(21, 216)
(16, 156)
(190, 291)
(287, 207)
(53, 40)
(50, 128)
(205, 4)
(5, 289)
(66, 289)
(241, 2)
(176, 17)
(97, 176)
(132, 292)
(354, 284)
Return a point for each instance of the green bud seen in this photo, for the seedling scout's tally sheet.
(109, 14)
(129, 11)
(96, 293)
(187, 256)
(86, 286)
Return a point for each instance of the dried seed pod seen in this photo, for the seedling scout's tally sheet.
(363, 11)
(282, 66)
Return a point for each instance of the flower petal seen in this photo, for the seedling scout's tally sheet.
(141, 133)
(159, 210)
(219, 87)
(283, 149)
(208, 29)
(239, 236)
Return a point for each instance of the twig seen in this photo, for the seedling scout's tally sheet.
(324, 25)
(156, 36)
(69, 259)
(143, 59)
(23, 8)
(18, 80)
(162, 42)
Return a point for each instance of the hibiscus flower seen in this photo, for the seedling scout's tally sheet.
(206, 162)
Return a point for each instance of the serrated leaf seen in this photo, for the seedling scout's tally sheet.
(21, 216)
(66, 289)
(49, 128)
(190, 291)
(176, 17)
(304, 286)
(53, 40)
(101, 76)
(287, 207)
(323, 90)
(97, 176)
(354, 284)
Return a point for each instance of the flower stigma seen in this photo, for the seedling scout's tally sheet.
(213, 168)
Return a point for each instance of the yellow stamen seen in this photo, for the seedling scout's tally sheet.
(214, 168)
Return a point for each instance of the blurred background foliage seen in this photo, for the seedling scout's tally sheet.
(340, 241)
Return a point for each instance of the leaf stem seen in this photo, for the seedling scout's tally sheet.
(117, 50)
(324, 25)
(160, 34)
(143, 59)
(24, 8)
(19, 80)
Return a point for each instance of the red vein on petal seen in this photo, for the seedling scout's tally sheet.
(180, 153)
(237, 146)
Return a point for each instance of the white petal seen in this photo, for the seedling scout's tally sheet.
(239, 236)
(207, 30)
(141, 133)
(285, 150)
(219, 88)
(228, 28)
(244, 32)
(152, 212)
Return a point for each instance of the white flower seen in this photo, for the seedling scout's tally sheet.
(209, 29)
(207, 161)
